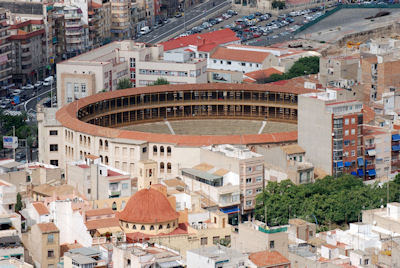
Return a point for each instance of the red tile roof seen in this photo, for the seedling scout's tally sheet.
(223, 53)
(41, 208)
(268, 259)
(368, 114)
(206, 41)
(261, 74)
(47, 227)
(98, 212)
(148, 206)
(83, 166)
(111, 173)
(102, 223)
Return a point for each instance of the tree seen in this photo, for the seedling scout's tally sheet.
(278, 4)
(18, 205)
(124, 83)
(303, 66)
(160, 81)
(328, 201)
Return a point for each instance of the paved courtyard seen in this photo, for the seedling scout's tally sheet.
(347, 21)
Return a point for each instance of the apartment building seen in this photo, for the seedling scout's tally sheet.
(26, 10)
(44, 244)
(377, 145)
(5, 53)
(99, 20)
(218, 187)
(120, 19)
(101, 69)
(247, 164)
(76, 32)
(290, 160)
(214, 256)
(337, 118)
(339, 71)
(84, 257)
(97, 181)
(28, 41)
(59, 37)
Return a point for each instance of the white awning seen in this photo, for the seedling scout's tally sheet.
(371, 152)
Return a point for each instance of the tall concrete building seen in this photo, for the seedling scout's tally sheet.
(5, 53)
(120, 22)
(330, 131)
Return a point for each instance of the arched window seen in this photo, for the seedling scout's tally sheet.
(72, 135)
(66, 133)
(88, 141)
(123, 204)
(80, 155)
(160, 227)
(80, 139)
(161, 150)
(101, 158)
(127, 225)
(168, 226)
(154, 150)
(169, 167)
(134, 227)
(168, 150)
(142, 228)
(114, 206)
(106, 158)
(162, 167)
(151, 227)
(173, 224)
(106, 144)
(101, 143)
(84, 140)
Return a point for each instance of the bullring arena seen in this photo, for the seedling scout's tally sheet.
(163, 122)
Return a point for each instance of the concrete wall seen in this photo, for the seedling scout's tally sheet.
(315, 132)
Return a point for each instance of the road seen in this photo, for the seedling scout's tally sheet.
(31, 103)
(195, 14)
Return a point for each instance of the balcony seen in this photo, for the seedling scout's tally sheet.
(73, 40)
(369, 146)
(72, 16)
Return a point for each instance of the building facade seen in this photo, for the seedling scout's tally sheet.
(5, 53)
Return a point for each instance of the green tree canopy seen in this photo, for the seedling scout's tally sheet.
(160, 81)
(124, 83)
(18, 205)
(329, 200)
(304, 66)
(278, 4)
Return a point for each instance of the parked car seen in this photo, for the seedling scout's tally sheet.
(38, 84)
(28, 87)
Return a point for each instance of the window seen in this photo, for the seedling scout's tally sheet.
(258, 190)
(249, 192)
(168, 226)
(168, 151)
(346, 122)
(203, 241)
(76, 88)
(248, 180)
(346, 132)
(215, 240)
(259, 179)
(215, 61)
(152, 227)
(125, 186)
(162, 167)
(144, 149)
(50, 238)
(229, 62)
(366, 261)
(160, 227)
(50, 254)
(168, 167)
(53, 147)
(249, 202)
(53, 132)
(353, 153)
(114, 206)
(353, 131)
(54, 162)
(83, 88)
(142, 228)
(259, 167)
(272, 244)
(353, 120)
(243, 64)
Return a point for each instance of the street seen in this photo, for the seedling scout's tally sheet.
(195, 14)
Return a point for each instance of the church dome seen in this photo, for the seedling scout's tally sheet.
(148, 206)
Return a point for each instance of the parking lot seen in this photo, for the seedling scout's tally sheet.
(258, 29)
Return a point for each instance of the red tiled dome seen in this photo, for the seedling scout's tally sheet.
(148, 206)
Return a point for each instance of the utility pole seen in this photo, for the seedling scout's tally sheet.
(13, 140)
(51, 93)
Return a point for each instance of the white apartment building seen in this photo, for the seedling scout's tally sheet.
(8, 197)
(100, 69)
